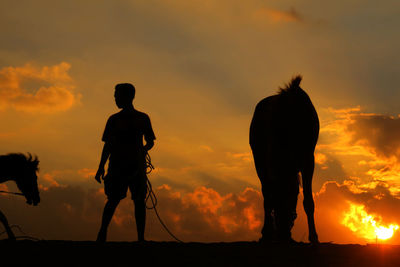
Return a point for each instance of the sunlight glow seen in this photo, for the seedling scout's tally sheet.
(366, 225)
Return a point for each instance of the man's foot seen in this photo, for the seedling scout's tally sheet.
(142, 241)
(11, 236)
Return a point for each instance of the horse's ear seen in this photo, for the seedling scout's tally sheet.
(34, 161)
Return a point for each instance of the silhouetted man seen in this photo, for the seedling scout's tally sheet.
(123, 146)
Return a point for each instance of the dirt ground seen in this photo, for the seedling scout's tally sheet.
(74, 253)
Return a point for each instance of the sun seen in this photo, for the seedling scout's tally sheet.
(384, 233)
(365, 225)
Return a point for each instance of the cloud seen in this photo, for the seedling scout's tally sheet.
(202, 214)
(328, 168)
(355, 144)
(369, 134)
(277, 16)
(380, 133)
(37, 90)
(71, 212)
(65, 212)
(356, 164)
(185, 165)
(87, 173)
(334, 201)
(206, 215)
(48, 179)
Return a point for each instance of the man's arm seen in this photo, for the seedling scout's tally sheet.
(149, 145)
(104, 156)
(148, 134)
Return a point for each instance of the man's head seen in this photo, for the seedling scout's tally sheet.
(124, 94)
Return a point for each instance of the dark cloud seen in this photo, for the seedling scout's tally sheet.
(220, 185)
(64, 213)
(380, 133)
(330, 170)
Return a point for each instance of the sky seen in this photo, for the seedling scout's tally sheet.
(199, 68)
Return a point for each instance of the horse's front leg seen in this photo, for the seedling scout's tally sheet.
(308, 202)
(7, 227)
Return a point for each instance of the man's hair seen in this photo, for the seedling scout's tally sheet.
(127, 90)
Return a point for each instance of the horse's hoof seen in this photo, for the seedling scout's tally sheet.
(11, 239)
(286, 241)
(101, 237)
(314, 240)
(265, 240)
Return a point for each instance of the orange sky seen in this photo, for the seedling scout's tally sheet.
(199, 68)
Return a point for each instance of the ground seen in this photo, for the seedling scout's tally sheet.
(78, 253)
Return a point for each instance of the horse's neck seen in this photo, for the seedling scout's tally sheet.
(5, 179)
(5, 174)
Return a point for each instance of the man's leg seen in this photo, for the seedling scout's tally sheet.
(108, 213)
(140, 216)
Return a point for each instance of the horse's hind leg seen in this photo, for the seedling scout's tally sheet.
(268, 229)
(308, 202)
(285, 208)
(7, 227)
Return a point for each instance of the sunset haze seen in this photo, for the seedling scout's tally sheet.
(200, 68)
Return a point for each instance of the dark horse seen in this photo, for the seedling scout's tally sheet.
(283, 134)
(22, 170)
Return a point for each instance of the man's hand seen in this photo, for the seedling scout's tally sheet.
(99, 175)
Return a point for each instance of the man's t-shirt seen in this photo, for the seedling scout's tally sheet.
(124, 133)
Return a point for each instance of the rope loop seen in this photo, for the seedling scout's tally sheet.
(152, 196)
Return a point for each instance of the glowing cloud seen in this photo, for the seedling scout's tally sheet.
(276, 16)
(366, 225)
(38, 90)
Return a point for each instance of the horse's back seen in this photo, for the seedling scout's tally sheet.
(282, 131)
(263, 123)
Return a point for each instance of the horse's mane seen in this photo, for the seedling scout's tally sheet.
(19, 158)
(292, 86)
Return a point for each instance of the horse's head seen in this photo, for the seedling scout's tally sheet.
(26, 179)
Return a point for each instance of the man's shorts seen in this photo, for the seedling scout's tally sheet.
(116, 185)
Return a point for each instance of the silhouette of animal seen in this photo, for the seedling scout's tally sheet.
(21, 169)
(283, 135)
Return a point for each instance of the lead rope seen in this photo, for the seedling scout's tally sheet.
(152, 196)
(11, 193)
(24, 236)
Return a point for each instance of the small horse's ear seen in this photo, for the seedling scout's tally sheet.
(36, 162)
